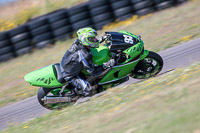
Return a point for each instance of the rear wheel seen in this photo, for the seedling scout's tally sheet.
(42, 92)
(149, 67)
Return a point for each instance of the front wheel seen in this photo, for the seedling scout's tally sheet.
(148, 67)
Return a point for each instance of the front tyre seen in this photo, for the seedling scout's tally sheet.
(148, 67)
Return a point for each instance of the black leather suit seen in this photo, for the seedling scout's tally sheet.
(76, 58)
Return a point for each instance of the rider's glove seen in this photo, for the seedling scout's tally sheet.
(104, 37)
(110, 63)
(101, 39)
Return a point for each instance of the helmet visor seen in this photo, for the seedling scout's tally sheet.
(93, 39)
(93, 42)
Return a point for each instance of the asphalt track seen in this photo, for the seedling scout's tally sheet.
(178, 56)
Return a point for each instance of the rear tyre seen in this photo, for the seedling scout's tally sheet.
(149, 67)
(42, 92)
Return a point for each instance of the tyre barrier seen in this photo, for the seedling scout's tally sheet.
(61, 24)
(100, 13)
(20, 40)
(79, 16)
(40, 32)
(6, 50)
(122, 9)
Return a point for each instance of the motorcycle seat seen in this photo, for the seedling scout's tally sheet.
(58, 73)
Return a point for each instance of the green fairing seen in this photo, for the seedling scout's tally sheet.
(118, 72)
(100, 55)
(130, 34)
(44, 77)
(136, 49)
(145, 53)
(123, 70)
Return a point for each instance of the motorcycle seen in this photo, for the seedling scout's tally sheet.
(131, 61)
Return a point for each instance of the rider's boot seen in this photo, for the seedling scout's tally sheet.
(81, 86)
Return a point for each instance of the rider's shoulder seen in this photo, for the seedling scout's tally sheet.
(77, 42)
(75, 46)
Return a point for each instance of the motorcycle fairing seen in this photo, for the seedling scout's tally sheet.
(120, 71)
(100, 55)
(120, 41)
(44, 77)
(127, 43)
(144, 54)
(134, 51)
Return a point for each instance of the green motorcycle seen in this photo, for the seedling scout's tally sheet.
(131, 60)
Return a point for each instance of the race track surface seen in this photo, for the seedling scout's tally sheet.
(178, 56)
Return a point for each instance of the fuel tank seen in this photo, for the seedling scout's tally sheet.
(100, 55)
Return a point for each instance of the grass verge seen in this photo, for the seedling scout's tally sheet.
(167, 103)
(159, 31)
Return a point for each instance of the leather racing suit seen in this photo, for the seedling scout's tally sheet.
(76, 58)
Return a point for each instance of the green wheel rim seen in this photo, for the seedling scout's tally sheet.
(146, 68)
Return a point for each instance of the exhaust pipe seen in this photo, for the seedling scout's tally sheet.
(50, 99)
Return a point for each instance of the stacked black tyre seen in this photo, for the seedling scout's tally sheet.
(100, 12)
(122, 9)
(79, 17)
(40, 32)
(60, 24)
(21, 40)
(179, 1)
(6, 50)
(163, 4)
(142, 7)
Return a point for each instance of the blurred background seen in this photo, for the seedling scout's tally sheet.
(34, 34)
(37, 33)
(26, 24)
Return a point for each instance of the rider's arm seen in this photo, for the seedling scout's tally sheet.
(89, 66)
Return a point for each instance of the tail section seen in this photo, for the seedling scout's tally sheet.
(44, 77)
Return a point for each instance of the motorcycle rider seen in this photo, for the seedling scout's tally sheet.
(78, 57)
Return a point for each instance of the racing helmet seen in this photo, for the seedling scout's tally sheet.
(88, 37)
